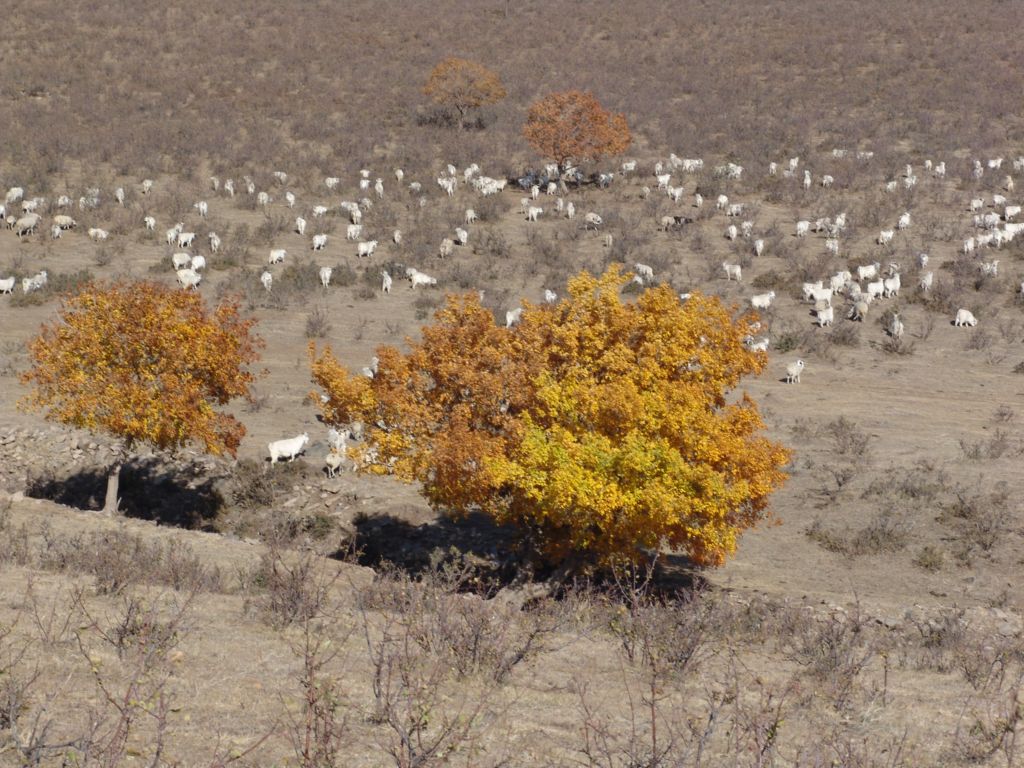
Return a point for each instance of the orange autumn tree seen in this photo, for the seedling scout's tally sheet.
(600, 428)
(462, 85)
(146, 364)
(573, 127)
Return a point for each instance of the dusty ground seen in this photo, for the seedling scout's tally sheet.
(902, 504)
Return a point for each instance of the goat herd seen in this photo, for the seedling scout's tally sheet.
(990, 226)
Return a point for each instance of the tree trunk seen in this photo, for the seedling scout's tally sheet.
(113, 481)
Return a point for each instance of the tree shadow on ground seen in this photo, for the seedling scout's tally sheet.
(496, 555)
(491, 550)
(149, 490)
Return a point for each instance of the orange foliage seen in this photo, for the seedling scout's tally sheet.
(145, 363)
(463, 85)
(600, 427)
(574, 127)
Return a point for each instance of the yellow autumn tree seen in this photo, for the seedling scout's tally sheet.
(462, 85)
(146, 364)
(573, 127)
(599, 427)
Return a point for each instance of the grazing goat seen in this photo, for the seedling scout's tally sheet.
(964, 317)
(287, 449)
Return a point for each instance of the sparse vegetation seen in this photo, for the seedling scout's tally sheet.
(322, 621)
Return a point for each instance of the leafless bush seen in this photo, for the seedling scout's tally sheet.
(993, 447)
(289, 588)
(980, 519)
(318, 323)
(117, 560)
(1003, 414)
(847, 438)
(835, 651)
(886, 532)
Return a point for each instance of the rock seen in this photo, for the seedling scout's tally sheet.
(18, 496)
(1008, 629)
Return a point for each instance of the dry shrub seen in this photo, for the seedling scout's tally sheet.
(847, 438)
(981, 520)
(835, 651)
(318, 323)
(117, 560)
(887, 532)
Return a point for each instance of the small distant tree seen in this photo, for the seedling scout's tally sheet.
(599, 427)
(146, 364)
(462, 85)
(573, 127)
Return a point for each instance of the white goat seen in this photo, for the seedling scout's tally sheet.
(644, 271)
(287, 449)
(418, 278)
(188, 279)
(964, 317)
(896, 327)
(793, 371)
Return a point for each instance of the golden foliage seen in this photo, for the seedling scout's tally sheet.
(463, 84)
(574, 127)
(601, 427)
(145, 363)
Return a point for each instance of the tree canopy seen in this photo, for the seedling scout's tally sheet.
(462, 85)
(144, 363)
(599, 427)
(573, 127)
